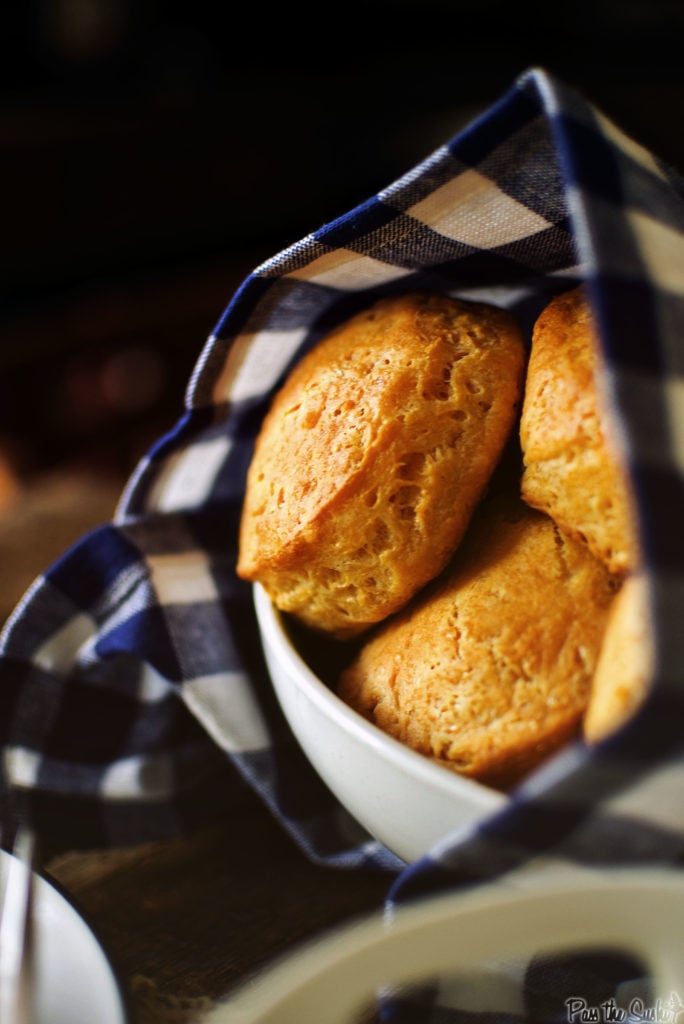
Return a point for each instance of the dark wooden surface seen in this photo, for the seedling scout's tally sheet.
(187, 920)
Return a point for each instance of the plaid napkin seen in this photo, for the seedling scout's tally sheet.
(133, 696)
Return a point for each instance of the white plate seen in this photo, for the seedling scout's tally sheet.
(75, 982)
(640, 911)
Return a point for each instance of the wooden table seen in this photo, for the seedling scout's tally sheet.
(185, 920)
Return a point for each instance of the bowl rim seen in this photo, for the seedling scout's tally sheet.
(270, 621)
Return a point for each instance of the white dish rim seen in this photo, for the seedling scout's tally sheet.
(376, 942)
(59, 902)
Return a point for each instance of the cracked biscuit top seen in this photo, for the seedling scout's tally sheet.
(489, 670)
(374, 455)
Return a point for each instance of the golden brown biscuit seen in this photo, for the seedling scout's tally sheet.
(572, 466)
(489, 669)
(625, 665)
(374, 455)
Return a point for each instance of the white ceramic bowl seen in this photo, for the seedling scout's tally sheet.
(401, 798)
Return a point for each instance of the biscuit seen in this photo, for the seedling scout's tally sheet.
(489, 669)
(572, 468)
(625, 666)
(374, 455)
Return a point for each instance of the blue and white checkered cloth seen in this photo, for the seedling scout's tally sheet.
(133, 696)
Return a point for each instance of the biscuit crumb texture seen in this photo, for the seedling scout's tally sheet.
(489, 670)
(374, 456)
(572, 467)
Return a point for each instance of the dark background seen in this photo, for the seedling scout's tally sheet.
(151, 154)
